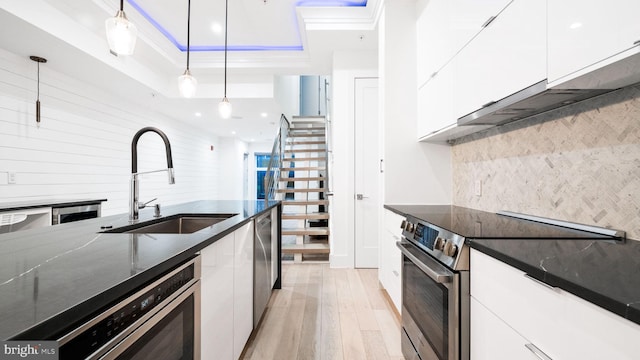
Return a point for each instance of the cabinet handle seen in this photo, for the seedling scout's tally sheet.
(541, 282)
(489, 104)
(395, 273)
(637, 42)
(537, 352)
(433, 75)
(489, 21)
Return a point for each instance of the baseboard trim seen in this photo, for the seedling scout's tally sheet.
(391, 305)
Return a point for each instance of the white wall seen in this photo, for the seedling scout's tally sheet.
(287, 93)
(347, 66)
(415, 173)
(83, 146)
(231, 179)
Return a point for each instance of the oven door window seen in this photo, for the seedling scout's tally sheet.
(172, 338)
(428, 304)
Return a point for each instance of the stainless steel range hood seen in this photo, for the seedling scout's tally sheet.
(530, 101)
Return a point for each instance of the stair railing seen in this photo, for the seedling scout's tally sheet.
(328, 183)
(272, 177)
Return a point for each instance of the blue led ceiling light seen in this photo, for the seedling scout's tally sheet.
(206, 48)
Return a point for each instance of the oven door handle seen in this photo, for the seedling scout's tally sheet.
(437, 276)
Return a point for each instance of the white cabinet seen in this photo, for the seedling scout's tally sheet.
(226, 315)
(216, 314)
(584, 35)
(558, 323)
(390, 266)
(507, 56)
(445, 26)
(242, 288)
(435, 103)
(493, 339)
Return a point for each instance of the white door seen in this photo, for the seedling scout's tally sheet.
(367, 174)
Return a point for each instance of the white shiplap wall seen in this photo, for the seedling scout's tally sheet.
(83, 147)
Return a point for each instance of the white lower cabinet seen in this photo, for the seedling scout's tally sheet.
(557, 323)
(242, 288)
(226, 315)
(216, 305)
(390, 267)
(493, 339)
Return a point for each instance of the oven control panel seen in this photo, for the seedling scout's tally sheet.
(123, 316)
(442, 244)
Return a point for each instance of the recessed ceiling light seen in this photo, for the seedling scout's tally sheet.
(233, 133)
(252, 140)
(216, 27)
(575, 25)
(264, 114)
(198, 114)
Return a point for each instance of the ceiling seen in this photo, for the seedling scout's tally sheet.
(268, 40)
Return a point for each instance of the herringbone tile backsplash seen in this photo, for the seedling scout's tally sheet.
(580, 163)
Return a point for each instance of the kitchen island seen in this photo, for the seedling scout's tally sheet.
(51, 279)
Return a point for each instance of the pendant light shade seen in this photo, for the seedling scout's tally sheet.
(187, 84)
(224, 108)
(121, 34)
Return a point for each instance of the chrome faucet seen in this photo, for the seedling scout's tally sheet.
(134, 203)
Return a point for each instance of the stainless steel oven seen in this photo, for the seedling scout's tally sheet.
(435, 296)
(160, 321)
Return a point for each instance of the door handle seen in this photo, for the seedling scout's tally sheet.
(361, 197)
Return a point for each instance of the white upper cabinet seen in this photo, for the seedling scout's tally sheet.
(445, 26)
(435, 103)
(585, 35)
(506, 57)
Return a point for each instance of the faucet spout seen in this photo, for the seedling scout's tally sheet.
(134, 203)
(134, 149)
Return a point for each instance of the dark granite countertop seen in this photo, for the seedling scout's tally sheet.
(53, 278)
(600, 271)
(54, 203)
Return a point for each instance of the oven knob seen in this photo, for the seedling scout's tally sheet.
(439, 244)
(409, 227)
(404, 224)
(450, 249)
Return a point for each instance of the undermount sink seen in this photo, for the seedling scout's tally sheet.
(176, 224)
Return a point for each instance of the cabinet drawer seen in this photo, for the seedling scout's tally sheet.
(562, 325)
(493, 339)
(532, 309)
(392, 222)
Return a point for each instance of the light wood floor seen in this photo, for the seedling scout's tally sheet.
(323, 313)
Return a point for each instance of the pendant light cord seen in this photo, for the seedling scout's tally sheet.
(226, 26)
(188, 30)
(121, 5)
(38, 95)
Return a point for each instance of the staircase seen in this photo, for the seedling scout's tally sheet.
(302, 187)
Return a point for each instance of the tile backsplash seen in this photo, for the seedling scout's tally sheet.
(580, 163)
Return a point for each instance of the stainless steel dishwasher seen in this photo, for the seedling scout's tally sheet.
(262, 268)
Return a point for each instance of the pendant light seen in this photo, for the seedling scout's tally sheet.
(121, 34)
(39, 60)
(187, 83)
(224, 108)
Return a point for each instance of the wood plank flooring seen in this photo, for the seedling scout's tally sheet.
(324, 313)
